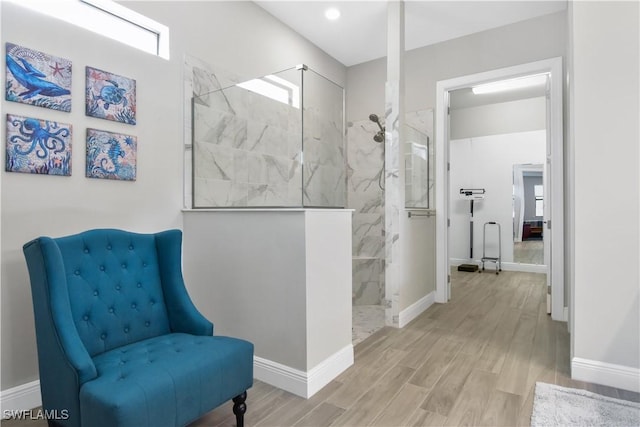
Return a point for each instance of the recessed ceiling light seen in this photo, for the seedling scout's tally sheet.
(332, 14)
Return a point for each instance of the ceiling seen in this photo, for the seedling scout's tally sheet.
(359, 35)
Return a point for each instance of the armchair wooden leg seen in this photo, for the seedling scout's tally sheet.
(239, 408)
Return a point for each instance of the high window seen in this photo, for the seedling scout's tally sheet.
(109, 19)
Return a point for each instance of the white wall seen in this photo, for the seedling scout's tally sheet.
(605, 124)
(487, 162)
(236, 36)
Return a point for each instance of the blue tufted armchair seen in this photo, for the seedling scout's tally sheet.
(119, 341)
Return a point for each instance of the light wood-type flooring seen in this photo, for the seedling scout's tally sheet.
(528, 252)
(473, 361)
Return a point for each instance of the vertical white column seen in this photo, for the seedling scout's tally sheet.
(394, 169)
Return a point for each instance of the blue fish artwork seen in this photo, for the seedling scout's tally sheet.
(38, 146)
(111, 155)
(110, 96)
(37, 78)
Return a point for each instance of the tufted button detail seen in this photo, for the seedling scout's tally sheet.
(102, 268)
(133, 305)
(152, 302)
(144, 264)
(130, 247)
(139, 285)
(124, 265)
(103, 336)
(86, 250)
(126, 330)
(85, 317)
(147, 323)
(95, 293)
(108, 247)
(77, 272)
(118, 287)
(111, 310)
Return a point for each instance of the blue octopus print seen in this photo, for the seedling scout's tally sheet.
(38, 146)
(111, 155)
(110, 96)
(37, 78)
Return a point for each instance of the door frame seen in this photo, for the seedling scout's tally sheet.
(555, 167)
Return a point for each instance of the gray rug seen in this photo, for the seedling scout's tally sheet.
(560, 406)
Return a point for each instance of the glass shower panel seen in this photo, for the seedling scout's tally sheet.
(247, 144)
(323, 172)
(418, 154)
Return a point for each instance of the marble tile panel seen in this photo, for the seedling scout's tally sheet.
(267, 139)
(213, 162)
(279, 170)
(323, 185)
(367, 320)
(366, 293)
(368, 235)
(214, 193)
(227, 130)
(370, 200)
(268, 195)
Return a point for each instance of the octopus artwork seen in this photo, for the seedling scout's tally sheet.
(38, 146)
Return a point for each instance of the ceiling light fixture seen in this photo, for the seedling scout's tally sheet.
(511, 84)
(332, 14)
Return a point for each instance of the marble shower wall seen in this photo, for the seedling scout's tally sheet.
(323, 142)
(248, 147)
(365, 173)
(364, 170)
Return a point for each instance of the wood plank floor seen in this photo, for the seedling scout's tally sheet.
(473, 361)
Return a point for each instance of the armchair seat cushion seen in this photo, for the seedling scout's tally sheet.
(167, 380)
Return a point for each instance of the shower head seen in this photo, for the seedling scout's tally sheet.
(379, 137)
(374, 118)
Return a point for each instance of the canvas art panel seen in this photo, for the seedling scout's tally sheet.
(111, 155)
(37, 78)
(110, 96)
(38, 146)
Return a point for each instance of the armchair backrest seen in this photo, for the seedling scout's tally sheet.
(113, 284)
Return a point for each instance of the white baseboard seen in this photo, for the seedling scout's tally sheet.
(300, 383)
(506, 266)
(416, 309)
(21, 398)
(594, 371)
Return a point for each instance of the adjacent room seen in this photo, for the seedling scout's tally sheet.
(326, 184)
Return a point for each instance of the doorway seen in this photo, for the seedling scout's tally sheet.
(553, 206)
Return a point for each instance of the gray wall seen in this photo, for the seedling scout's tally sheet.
(518, 43)
(236, 36)
(604, 140)
(498, 119)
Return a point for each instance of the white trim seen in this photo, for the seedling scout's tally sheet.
(506, 266)
(22, 397)
(416, 309)
(556, 198)
(594, 371)
(300, 383)
(566, 314)
(328, 370)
